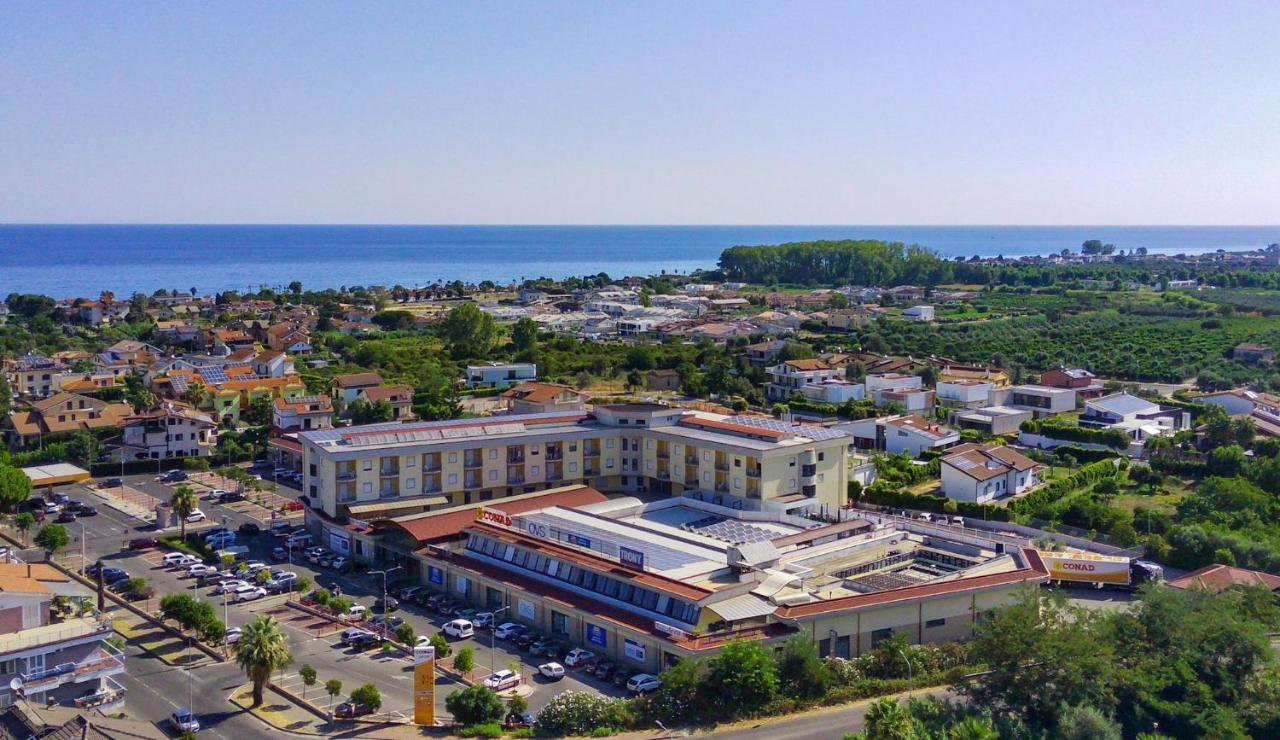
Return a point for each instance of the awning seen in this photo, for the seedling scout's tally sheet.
(410, 503)
(56, 474)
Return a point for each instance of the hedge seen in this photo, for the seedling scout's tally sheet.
(1179, 466)
(1081, 454)
(134, 467)
(924, 502)
(1085, 476)
(1058, 429)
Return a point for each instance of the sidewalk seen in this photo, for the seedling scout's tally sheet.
(156, 640)
(284, 715)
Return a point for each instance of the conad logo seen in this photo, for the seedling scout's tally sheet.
(1086, 567)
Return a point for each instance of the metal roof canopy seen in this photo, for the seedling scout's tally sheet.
(55, 474)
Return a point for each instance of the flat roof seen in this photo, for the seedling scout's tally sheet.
(55, 474)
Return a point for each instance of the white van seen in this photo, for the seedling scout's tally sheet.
(459, 628)
(299, 541)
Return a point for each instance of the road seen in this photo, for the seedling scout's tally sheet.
(156, 688)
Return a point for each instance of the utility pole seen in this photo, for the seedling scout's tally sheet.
(493, 628)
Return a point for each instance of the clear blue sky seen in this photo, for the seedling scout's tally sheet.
(647, 112)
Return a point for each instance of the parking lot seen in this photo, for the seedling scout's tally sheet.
(313, 640)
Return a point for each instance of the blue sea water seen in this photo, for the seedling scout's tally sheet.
(82, 260)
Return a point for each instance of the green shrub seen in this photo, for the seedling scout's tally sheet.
(486, 729)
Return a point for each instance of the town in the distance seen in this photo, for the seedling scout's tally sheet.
(1035, 495)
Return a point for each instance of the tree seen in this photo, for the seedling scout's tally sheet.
(474, 705)
(308, 675)
(676, 698)
(6, 394)
(973, 728)
(183, 502)
(743, 677)
(51, 538)
(261, 650)
(24, 522)
(1086, 723)
(801, 671)
(259, 411)
(367, 695)
(332, 687)
(178, 607)
(405, 635)
(468, 331)
(464, 661)
(524, 335)
(15, 487)
(363, 412)
(340, 605)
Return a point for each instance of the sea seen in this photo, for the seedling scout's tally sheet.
(64, 261)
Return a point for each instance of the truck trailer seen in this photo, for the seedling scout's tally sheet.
(1093, 569)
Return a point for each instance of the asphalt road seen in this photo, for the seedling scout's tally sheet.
(156, 688)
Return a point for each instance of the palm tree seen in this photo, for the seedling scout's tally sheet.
(973, 728)
(262, 649)
(183, 503)
(887, 720)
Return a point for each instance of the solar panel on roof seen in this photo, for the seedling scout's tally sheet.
(214, 374)
(179, 383)
(657, 556)
(815, 433)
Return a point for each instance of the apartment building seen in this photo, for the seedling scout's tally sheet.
(500, 374)
(49, 658)
(34, 375)
(750, 463)
(168, 430)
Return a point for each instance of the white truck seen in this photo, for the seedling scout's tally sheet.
(1093, 569)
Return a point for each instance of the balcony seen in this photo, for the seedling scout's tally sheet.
(691, 459)
(722, 465)
(591, 470)
(473, 461)
(472, 481)
(691, 481)
(389, 493)
(722, 487)
(664, 475)
(108, 696)
(349, 474)
(555, 475)
(105, 661)
(591, 450)
(753, 472)
(388, 471)
(515, 458)
(515, 478)
(554, 453)
(431, 487)
(664, 455)
(432, 465)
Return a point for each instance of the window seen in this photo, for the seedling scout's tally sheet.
(737, 482)
(737, 462)
(608, 463)
(706, 456)
(573, 467)
(573, 446)
(453, 457)
(878, 635)
(534, 469)
(791, 483)
(453, 479)
(609, 443)
(368, 465)
(493, 475)
(367, 487)
(935, 622)
(822, 456)
(493, 454)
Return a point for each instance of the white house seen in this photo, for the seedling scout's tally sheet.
(905, 390)
(168, 430)
(302, 412)
(793, 376)
(918, 313)
(1137, 417)
(911, 434)
(1042, 400)
(500, 374)
(964, 393)
(978, 474)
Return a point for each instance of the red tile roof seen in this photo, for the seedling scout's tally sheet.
(1220, 577)
(447, 523)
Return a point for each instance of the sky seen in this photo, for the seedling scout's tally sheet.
(705, 112)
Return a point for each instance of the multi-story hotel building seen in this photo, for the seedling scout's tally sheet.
(747, 463)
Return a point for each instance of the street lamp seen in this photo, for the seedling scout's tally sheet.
(910, 681)
(384, 573)
(493, 631)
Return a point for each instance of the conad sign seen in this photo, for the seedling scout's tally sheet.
(1090, 571)
(493, 517)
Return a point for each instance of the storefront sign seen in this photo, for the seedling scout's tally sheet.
(340, 542)
(670, 631)
(424, 685)
(435, 575)
(535, 529)
(525, 609)
(493, 516)
(579, 540)
(597, 635)
(633, 650)
(631, 558)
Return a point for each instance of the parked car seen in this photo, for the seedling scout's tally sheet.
(279, 553)
(249, 529)
(483, 620)
(111, 483)
(387, 622)
(552, 670)
(604, 670)
(459, 628)
(325, 560)
(248, 593)
(525, 639)
(365, 641)
(67, 516)
(352, 633)
(196, 516)
(356, 612)
(222, 540)
(211, 577)
(351, 710)
(405, 593)
(643, 683)
(200, 569)
(389, 605)
(312, 554)
(339, 563)
(86, 510)
(183, 561)
(502, 680)
(508, 630)
(111, 575)
(142, 543)
(227, 497)
(232, 636)
(213, 532)
(282, 582)
(579, 657)
(545, 648)
(280, 529)
(230, 586)
(172, 476)
(253, 566)
(184, 721)
(173, 558)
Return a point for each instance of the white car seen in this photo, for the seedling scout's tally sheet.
(248, 593)
(200, 569)
(185, 561)
(339, 563)
(253, 566)
(643, 683)
(459, 628)
(357, 612)
(578, 656)
(502, 680)
(552, 670)
(173, 558)
(233, 636)
(196, 516)
(507, 630)
(184, 720)
(230, 586)
(313, 554)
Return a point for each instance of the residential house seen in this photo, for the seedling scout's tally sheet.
(848, 319)
(1137, 417)
(911, 434)
(1216, 578)
(226, 341)
(541, 398)
(500, 374)
(763, 352)
(34, 375)
(347, 387)
(794, 376)
(180, 331)
(302, 413)
(1039, 399)
(918, 313)
(1253, 353)
(399, 397)
(289, 337)
(964, 394)
(662, 380)
(952, 370)
(61, 414)
(87, 383)
(905, 390)
(50, 660)
(978, 473)
(992, 420)
(166, 431)
(1083, 382)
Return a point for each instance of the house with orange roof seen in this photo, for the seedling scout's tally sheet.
(166, 431)
(62, 413)
(536, 398)
(398, 397)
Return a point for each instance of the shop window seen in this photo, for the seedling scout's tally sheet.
(935, 622)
